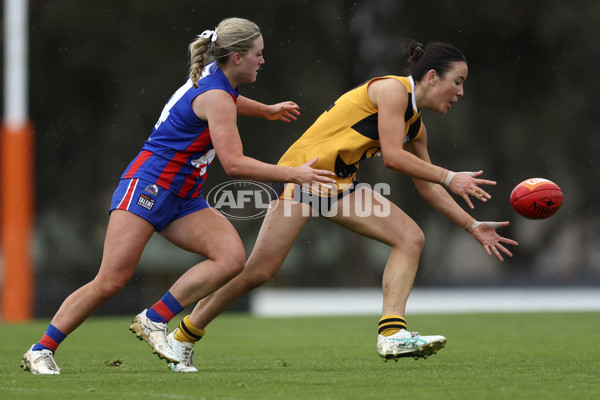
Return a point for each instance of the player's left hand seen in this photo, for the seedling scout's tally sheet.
(485, 233)
(286, 111)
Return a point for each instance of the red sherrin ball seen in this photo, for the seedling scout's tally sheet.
(536, 198)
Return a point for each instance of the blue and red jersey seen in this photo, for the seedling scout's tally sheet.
(179, 151)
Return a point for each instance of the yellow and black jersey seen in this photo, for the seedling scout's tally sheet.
(347, 132)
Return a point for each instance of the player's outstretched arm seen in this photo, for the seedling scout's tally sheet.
(218, 109)
(286, 111)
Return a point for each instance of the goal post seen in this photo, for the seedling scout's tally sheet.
(16, 173)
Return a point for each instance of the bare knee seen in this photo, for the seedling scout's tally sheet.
(258, 272)
(107, 288)
(418, 240)
(231, 261)
(411, 240)
(257, 278)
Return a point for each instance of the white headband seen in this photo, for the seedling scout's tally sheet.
(209, 34)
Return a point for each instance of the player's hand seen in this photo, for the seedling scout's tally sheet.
(306, 175)
(286, 112)
(485, 233)
(466, 184)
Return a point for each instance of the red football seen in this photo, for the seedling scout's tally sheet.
(536, 198)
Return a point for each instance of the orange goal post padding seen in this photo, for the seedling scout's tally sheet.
(16, 222)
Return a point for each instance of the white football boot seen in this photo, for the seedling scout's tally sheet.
(408, 344)
(40, 362)
(155, 334)
(184, 351)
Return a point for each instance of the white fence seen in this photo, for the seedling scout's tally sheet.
(299, 302)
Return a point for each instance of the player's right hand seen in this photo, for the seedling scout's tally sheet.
(466, 184)
(306, 175)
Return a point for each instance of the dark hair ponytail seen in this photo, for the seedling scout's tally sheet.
(435, 55)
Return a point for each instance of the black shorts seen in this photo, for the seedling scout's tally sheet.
(322, 204)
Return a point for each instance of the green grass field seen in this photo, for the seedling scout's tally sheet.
(488, 356)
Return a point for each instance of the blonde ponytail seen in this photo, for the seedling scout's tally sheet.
(232, 35)
(199, 57)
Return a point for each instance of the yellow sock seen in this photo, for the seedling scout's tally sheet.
(188, 332)
(390, 324)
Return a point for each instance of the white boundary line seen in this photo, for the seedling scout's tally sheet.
(307, 302)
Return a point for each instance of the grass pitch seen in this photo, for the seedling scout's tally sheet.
(488, 356)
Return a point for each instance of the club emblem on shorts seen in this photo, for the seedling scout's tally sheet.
(152, 190)
(146, 202)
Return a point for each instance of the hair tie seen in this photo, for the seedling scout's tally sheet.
(208, 34)
(418, 52)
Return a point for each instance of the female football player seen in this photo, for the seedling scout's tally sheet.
(160, 191)
(379, 117)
